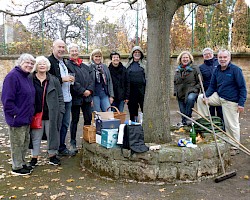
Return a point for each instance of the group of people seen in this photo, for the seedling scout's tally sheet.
(60, 89)
(224, 86)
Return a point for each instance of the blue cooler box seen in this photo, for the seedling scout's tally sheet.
(109, 138)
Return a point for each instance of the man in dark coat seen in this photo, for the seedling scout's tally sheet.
(58, 68)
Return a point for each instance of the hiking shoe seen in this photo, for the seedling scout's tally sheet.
(179, 125)
(28, 167)
(67, 152)
(54, 161)
(21, 172)
(33, 162)
(73, 148)
(234, 152)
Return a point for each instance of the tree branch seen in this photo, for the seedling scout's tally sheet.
(66, 2)
(200, 2)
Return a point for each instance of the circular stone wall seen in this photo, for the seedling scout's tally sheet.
(170, 164)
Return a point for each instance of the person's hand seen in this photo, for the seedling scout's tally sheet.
(68, 78)
(111, 99)
(86, 93)
(205, 100)
(240, 109)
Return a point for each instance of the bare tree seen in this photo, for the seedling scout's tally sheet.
(157, 99)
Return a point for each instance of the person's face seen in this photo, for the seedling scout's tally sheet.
(207, 55)
(97, 59)
(223, 59)
(27, 65)
(115, 60)
(137, 55)
(74, 53)
(185, 60)
(59, 49)
(41, 67)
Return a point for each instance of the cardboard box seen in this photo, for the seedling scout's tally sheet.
(109, 138)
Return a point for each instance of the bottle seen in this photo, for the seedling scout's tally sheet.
(193, 134)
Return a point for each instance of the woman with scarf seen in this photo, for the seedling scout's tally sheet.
(120, 81)
(103, 92)
(81, 92)
(186, 85)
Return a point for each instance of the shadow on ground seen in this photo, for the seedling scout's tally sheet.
(71, 181)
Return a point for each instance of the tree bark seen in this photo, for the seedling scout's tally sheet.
(157, 98)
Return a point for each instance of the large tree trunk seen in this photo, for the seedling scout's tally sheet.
(157, 98)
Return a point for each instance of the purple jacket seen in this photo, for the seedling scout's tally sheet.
(18, 98)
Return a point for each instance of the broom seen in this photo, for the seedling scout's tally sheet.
(225, 175)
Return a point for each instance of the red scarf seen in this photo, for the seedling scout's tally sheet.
(77, 61)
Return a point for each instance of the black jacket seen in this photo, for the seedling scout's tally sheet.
(84, 80)
(54, 68)
(120, 81)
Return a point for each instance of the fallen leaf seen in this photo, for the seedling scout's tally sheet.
(162, 190)
(69, 188)
(14, 187)
(104, 194)
(55, 179)
(78, 187)
(44, 187)
(25, 195)
(20, 188)
(13, 197)
(39, 194)
(70, 180)
(91, 188)
(1, 196)
(53, 197)
(81, 178)
(246, 177)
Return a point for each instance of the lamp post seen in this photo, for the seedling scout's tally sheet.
(137, 23)
(43, 28)
(88, 17)
(192, 27)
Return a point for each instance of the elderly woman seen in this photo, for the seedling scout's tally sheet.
(52, 108)
(81, 91)
(186, 85)
(103, 92)
(18, 98)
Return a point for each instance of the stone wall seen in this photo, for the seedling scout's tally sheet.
(240, 59)
(170, 164)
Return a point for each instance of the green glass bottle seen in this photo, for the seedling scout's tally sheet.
(193, 134)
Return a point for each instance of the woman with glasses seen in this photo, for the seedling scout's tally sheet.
(120, 81)
(18, 98)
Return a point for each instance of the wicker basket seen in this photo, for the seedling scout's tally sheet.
(89, 133)
(118, 115)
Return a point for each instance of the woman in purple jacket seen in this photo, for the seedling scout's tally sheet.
(18, 98)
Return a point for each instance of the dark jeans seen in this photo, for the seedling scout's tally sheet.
(119, 105)
(186, 106)
(65, 126)
(75, 112)
(133, 106)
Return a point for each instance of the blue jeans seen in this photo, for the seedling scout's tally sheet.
(101, 102)
(65, 125)
(119, 105)
(186, 106)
